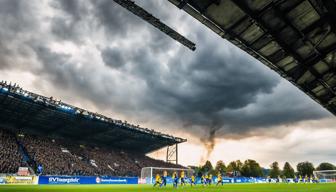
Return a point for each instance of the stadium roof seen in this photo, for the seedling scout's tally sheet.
(24, 111)
(295, 38)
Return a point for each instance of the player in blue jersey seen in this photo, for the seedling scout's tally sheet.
(164, 179)
(175, 179)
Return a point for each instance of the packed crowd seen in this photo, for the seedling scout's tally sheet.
(61, 157)
(10, 157)
(49, 154)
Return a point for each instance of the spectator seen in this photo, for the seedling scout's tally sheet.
(10, 158)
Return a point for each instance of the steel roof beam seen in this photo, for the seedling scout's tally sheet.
(143, 14)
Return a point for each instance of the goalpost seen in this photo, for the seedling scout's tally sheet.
(326, 175)
(148, 173)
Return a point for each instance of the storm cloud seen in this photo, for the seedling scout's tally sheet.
(99, 52)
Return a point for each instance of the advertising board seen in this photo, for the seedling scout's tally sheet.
(29, 180)
(54, 180)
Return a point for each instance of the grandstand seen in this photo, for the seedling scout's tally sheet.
(67, 140)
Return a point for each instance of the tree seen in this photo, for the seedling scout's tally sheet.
(207, 167)
(326, 166)
(288, 171)
(234, 166)
(220, 167)
(251, 169)
(305, 168)
(275, 170)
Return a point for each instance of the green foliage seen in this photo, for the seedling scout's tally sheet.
(305, 168)
(235, 166)
(288, 171)
(326, 166)
(251, 169)
(207, 167)
(220, 167)
(275, 170)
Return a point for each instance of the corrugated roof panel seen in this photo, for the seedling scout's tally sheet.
(225, 14)
(321, 92)
(305, 50)
(261, 42)
(277, 56)
(252, 33)
(270, 48)
(321, 67)
(318, 88)
(331, 58)
(318, 34)
(285, 61)
(306, 78)
(327, 41)
(241, 26)
(290, 66)
(331, 80)
(303, 15)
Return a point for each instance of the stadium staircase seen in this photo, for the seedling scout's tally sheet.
(27, 160)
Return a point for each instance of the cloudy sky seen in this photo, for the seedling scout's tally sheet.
(96, 55)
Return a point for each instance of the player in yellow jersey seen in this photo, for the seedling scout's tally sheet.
(219, 179)
(300, 179)
(192, 180)
(157, 180)
(182, 178)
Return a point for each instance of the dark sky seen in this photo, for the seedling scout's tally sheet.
(98, 52)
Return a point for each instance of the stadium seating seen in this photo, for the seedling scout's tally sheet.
(63, 157)
(10, 157)
(49, 154)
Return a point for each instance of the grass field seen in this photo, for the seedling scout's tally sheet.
(331, 187)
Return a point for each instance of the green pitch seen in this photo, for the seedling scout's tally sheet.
(146, 188)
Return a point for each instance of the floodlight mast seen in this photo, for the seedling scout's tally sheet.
(143, 14)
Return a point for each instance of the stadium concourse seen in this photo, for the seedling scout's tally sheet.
(53, 138)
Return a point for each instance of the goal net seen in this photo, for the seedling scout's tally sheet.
(148, 173)
(326, 175)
